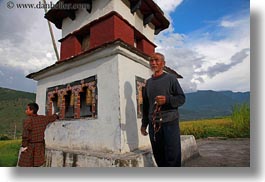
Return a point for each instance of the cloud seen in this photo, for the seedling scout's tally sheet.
(236, 77)
(227, 24)
(204, 57)
(25, 39)
(168, 6)
(14, 78)
(218, 68)
(236, 20)
(213, 50)
(25, 45)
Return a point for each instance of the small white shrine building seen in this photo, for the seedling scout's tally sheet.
(97, 83)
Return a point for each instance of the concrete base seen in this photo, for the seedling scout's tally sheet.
(139, 158)
(189, 148)
(58, 158)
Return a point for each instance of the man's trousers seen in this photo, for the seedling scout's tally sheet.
(166, 146)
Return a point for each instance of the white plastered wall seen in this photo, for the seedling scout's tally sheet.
(103, 133)
(131, 137)
(117, 128)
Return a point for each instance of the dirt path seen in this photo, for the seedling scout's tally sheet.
(216, 152)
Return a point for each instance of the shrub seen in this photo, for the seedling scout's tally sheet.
(241, 119)
(4, 137)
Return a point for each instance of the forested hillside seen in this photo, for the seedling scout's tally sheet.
(12, 110)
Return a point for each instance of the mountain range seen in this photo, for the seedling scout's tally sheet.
(199, 105)
(211, 104)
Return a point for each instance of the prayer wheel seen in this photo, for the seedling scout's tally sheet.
(72, 99)
(89, 97)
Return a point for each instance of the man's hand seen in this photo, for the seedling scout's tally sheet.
(160, 100)
(23, 149)
(143, 131)
(57, 115)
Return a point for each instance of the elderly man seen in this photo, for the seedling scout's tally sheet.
(162, 97)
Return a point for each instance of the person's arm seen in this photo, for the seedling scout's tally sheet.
(145, 120)
(177, 98)
(50, 119)
(26, 132)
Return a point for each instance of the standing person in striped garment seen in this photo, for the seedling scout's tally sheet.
(33, 144)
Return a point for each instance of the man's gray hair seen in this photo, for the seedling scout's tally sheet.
(161, 55)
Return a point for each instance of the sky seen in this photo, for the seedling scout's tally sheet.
(218, 175)
(208, 43)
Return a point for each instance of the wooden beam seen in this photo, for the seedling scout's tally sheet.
(71, 14)
(58, 24)
(157, 30)
(148, 18)
(89, 7)
(135, 6)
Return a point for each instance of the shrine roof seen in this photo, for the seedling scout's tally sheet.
(148, 8)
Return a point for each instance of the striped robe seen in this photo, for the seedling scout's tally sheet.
(33, 138)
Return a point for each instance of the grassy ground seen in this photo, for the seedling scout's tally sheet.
(9, 152)
(223, 127)
(236, 126)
